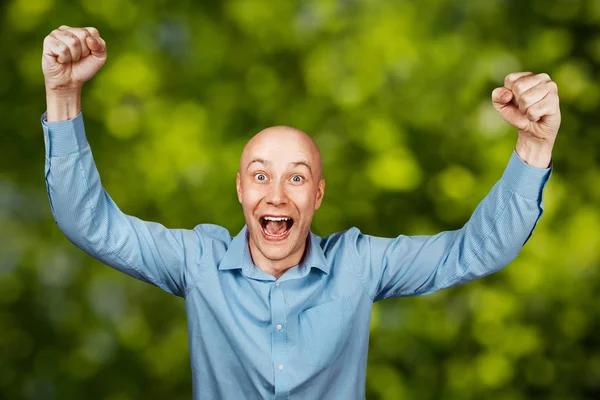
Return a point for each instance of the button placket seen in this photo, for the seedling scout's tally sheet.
(279, 339)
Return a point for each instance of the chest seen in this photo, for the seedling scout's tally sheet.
(290, 324)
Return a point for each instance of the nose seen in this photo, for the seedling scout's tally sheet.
(276, 195)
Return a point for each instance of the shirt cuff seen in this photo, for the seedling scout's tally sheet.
(524, 179)
(64, 137)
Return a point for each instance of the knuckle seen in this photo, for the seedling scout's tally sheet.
(73, 41)
(80, 32)
(515, 77)
(536, 110)
(62, 49)
(544, 76)
(522, 104)
(93, 31)
(518, 87)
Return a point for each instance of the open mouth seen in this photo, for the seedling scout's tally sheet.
(276, 227)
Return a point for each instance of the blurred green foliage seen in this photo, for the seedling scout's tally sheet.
(396, 93)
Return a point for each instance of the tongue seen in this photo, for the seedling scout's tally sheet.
(275, 227)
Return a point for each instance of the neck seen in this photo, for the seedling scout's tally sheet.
(275, 267)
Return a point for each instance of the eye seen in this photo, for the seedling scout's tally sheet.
(260, 177)
(297, 178)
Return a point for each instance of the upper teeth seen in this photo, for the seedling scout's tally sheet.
(277, 218)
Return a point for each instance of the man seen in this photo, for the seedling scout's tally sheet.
(276, 311)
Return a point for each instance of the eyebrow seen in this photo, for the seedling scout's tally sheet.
(300, 163)
(266, 163)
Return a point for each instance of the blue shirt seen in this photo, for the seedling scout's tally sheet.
(305, 335)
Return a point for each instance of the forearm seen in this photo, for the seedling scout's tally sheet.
(89, 217)
(494, 235)
(82, 209)
(491, 239)
(502, 222)
(62, 105)
(79, 203)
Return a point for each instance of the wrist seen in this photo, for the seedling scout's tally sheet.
(534, 152)
(62, 105)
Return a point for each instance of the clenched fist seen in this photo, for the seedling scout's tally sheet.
(71, 57)
(529, 102)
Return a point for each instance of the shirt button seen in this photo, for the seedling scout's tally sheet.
(277, 284)
(279, 327)
(280, 367)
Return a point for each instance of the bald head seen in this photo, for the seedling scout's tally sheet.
(280, 177)
(283, 143)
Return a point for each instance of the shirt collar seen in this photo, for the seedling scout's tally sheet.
(238, 254)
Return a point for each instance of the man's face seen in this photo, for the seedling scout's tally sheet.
(279, 186)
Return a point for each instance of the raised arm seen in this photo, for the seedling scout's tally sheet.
(83, 210)
(501, 223)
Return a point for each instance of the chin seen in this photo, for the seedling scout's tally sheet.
(279, 248)
(275, 254)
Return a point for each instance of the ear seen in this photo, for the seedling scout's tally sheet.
(238, 185)
(320, 193)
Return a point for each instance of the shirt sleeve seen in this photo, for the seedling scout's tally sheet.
(91, 220)
(494, 235)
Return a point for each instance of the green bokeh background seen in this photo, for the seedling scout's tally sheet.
(397, 95)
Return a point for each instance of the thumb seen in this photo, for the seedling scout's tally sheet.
(97, 47)
(501, 97)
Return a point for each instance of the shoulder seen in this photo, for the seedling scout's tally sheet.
(214, 241)
(346, 241)
(347, 253)
(213, 233)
